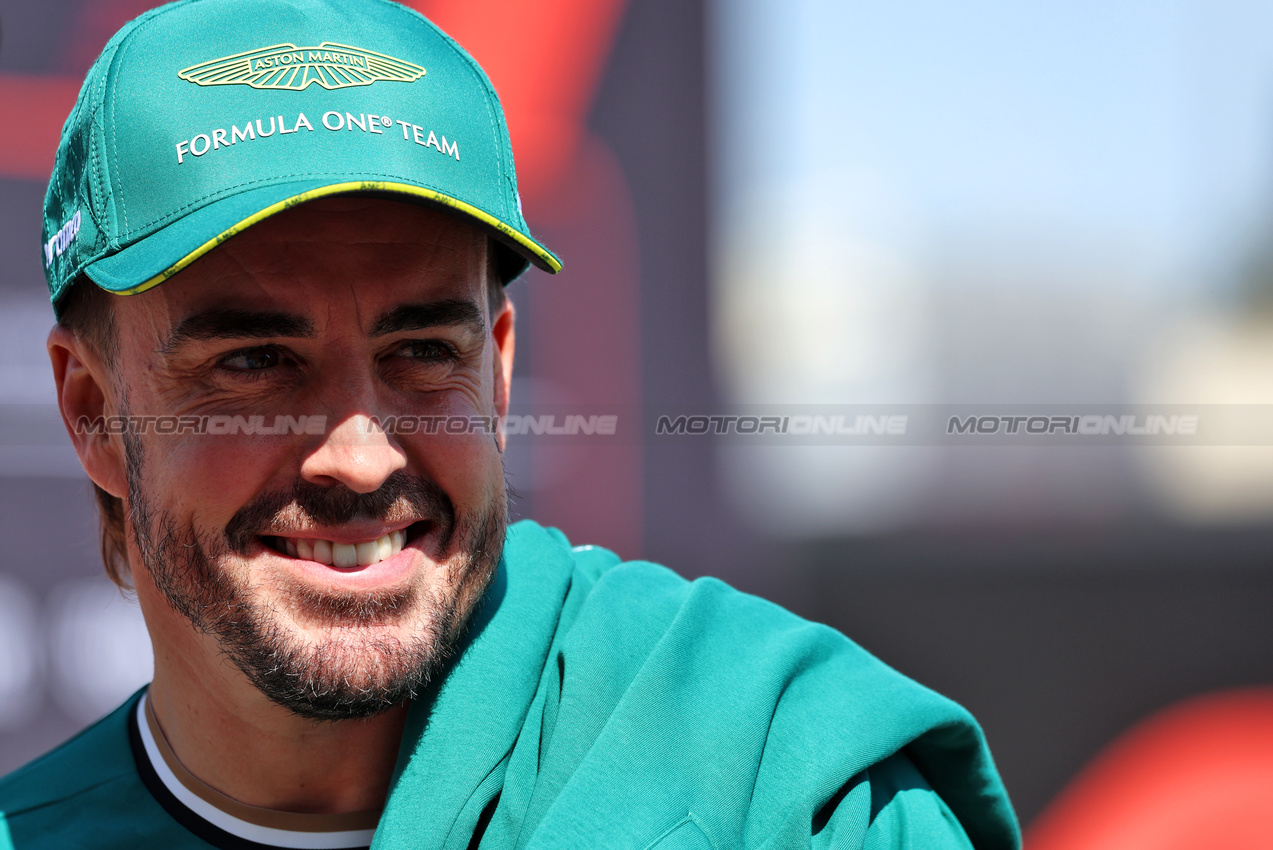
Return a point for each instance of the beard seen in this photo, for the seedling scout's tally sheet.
(320, 654)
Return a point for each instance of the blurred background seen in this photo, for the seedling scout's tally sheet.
(819, 202)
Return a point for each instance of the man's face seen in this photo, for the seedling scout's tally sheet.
(334, 569)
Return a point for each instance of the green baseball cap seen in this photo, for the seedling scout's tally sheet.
(203, 117)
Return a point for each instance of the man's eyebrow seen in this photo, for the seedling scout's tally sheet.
(447, 313)
(236, 324)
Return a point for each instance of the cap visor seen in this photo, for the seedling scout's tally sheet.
(159, 256)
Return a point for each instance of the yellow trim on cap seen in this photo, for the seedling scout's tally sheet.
(342, 188)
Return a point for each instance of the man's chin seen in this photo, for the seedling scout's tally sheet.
(321, 607)
(346, 672)
(332, 655)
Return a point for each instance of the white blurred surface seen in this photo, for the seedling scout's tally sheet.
(99, 650)
(21, 689)
(986, 203)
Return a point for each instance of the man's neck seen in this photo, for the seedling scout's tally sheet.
(230, 736)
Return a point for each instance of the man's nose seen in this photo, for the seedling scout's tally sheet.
(355, 452)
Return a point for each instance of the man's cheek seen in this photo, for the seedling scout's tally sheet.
(461, 463)
(212, 469)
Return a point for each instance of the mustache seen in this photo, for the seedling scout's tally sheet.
(401, 498)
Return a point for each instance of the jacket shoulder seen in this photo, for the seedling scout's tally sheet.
(528, 539)
(735, 690)
(96, 756)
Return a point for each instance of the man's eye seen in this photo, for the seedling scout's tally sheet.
(251, 360)
(426, 349)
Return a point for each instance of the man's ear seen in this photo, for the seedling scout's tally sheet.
(85, 397)
(505, 341)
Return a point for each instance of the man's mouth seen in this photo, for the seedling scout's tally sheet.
(360, 554)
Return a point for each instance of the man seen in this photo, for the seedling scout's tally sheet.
(275, 226)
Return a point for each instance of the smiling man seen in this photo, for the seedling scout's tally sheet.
(275, 226)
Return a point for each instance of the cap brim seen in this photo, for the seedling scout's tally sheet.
(159, 256)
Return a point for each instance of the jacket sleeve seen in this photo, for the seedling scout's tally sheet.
(898, 809)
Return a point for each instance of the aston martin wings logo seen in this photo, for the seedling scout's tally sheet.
(286, 66)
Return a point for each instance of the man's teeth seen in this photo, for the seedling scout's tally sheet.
(347, 554)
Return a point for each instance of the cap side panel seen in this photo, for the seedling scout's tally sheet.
(77, 186)
(545, 259)
(117, 193)
(72, 179)
(82, 189)
(103, 194)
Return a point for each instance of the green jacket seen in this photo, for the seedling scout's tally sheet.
(600, 704)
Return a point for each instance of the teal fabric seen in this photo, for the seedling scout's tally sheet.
(605, 704)
(87, 794)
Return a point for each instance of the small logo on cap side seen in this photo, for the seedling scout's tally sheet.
(62, 240)
(286, 66)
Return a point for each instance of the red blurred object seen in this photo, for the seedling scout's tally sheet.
(545, 59)
(1196, 776)
(29, 143)
(586, 328)
(27, 149)
(91, 25)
